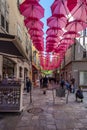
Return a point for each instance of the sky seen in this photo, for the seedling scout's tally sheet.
(46, 5)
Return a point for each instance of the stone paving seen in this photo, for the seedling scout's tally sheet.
(46, 114)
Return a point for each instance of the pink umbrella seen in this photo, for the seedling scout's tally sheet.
(37, 38)
(60, 7)
(67, 40)
(59, 20)
(52, 41)
(32, 9)
(76, 25)
(77, 9)
(39, 48)
(35, 32)
(71, 4)
(54, 31)
(31, 22)
(71, 34)
(50, 37)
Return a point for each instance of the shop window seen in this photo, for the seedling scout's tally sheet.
(8, 67)
(20, 72)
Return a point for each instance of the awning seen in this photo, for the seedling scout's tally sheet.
(10, 45)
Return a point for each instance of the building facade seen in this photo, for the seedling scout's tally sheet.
(11, 22)
(75, 61)
(35, 66)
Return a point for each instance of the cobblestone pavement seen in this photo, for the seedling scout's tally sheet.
(44, 114)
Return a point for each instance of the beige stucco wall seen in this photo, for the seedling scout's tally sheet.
(15, 19)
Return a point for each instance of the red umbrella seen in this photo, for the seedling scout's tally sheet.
(71, 34)
(31, 22)
(32, 9)
(57, 20)
(76, 25)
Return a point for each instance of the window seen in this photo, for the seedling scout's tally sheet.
(2, 21)
(7, 26)
(26, 43)
(84, 54)
(7, 12)
(4, 15)
(3, 2)
(20, 72)
(79, 49)
(85, 32)
(18, 3)
(83, 78)
(19, 32)
(34, 56)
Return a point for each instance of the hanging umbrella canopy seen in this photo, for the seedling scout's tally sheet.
(37, 38)
(71, 4)
(60, 7)
(77, 8)
(51, 41)
(71, 34)
(54, 31)
(31, 22)
(59, 20)
(32, 9)
(67, 40)
(50, 37)
(35, 32)
(76, 25)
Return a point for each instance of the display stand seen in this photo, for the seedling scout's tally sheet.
(11, 98)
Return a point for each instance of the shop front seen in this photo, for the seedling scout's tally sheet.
(8, 67)
(11, 88)
(35, 75)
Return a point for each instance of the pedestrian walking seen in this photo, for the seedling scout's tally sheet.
(45, 84)
(72, 85)
(28, 85)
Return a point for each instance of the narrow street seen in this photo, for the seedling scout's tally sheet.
(44, 114)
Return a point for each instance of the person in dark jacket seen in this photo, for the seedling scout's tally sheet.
(28, 85)
(45, 84)
(79, 94)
